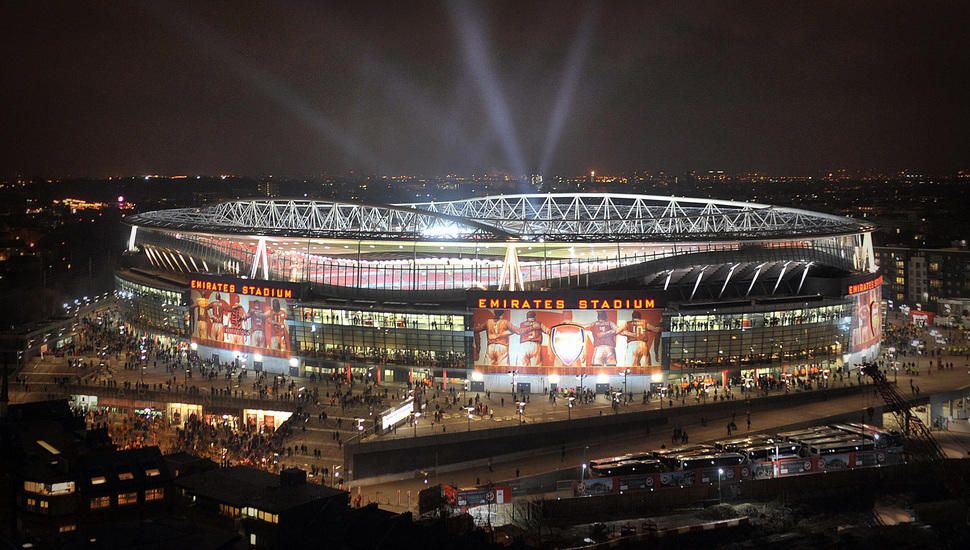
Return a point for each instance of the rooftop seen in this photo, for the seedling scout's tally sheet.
(556, 217)
(246, 486)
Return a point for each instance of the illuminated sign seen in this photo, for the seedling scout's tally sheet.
(393, 417)
(242, 315)
(867, 285)
(514, 301)
(246, 289)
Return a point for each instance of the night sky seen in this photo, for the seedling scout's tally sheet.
(116, 88)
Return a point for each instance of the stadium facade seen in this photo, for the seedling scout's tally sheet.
(532, 292)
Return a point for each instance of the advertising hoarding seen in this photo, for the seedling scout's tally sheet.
(244, 316)
(866, 318)
(566, 334)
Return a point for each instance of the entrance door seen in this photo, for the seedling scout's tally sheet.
(476, 386)
(553, 387)
(602, 388)
(523, 387)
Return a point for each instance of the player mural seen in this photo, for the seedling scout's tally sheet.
(866, 319)
(550, 340)
(245, 323)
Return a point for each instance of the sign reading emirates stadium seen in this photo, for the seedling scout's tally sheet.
(245, 288)
(566, 332)
(596, 300)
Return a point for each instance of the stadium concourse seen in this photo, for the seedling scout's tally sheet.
(56, 376)
(564, 293)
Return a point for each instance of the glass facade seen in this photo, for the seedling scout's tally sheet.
(749, 339)
(406, 338)
(434, 265)
(152, 308)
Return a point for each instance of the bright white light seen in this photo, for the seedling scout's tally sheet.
(193, 346)
(602, 378)
(294, 362)
(444, 230)
(477, 376)
(553, 378)
(257, 357)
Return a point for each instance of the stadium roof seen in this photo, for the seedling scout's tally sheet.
(556, 217)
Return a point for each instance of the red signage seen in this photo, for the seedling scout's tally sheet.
(532, 302)
(868, 285)
(245, 289)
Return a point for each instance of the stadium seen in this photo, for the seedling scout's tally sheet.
(532, 292)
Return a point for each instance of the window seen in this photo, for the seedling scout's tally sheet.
(152, 472)
(67, 528)
(125, 476)
(100, 503)
(154, 494)
(98, 480)
(228, 511)
(44, 505)
(127, 499)
(62, 488)
(31, 502)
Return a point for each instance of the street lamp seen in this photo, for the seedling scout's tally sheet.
(569, 406)
(582, 471)
(521, 405)
(720, 474)
(469, 409)
(414, 423)
(513, 373)
(626, 373)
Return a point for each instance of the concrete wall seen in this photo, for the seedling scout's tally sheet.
(402, 457)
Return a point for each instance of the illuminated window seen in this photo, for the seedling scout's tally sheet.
(127, 499)
(67, 528)
(63, 488)
(154, 494)
(99, 480)
(44, 505)
(100, 503)
(229, 511)
(31, 502)
(34, 487)
(152, 472)
(124, 476)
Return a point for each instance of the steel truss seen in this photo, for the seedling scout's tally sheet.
(561, 217)
(309, 218)
(608, 216)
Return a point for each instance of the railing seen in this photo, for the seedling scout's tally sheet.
(224, 401)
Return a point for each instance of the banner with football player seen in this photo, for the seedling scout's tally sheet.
(567, 340)
(244, 323)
